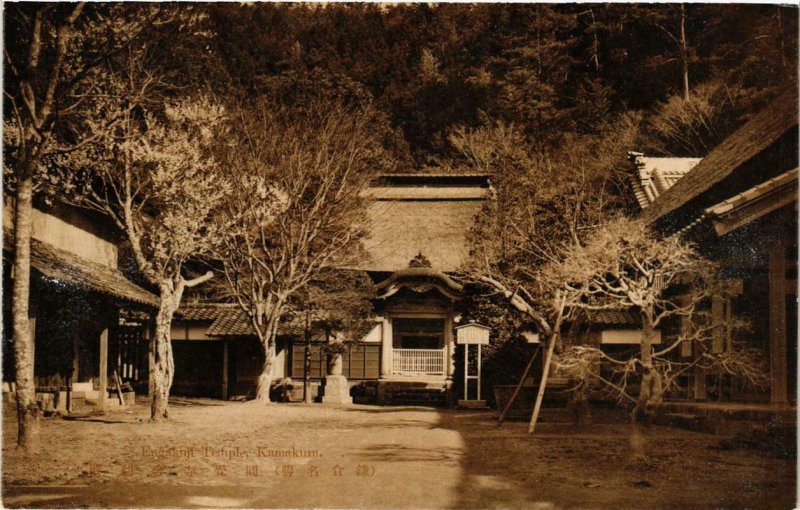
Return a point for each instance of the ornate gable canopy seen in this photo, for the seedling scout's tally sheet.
(419, 277)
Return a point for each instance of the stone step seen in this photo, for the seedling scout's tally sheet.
(395, 385)
(414, 391)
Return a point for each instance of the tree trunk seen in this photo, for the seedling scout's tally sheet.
(307, 398)
(265, 379)
(595, 44)
(651, 392)
(163, 369)
(684, 54)
(579, 405)
(27, 409)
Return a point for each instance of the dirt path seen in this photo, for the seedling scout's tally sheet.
(214, 454)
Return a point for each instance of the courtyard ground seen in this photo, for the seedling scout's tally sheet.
(228, 454)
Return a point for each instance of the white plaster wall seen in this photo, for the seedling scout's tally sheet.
(177, 330)
(375, 335)
(76, 236)
(194, 331)
(279, 365)
(625, 336)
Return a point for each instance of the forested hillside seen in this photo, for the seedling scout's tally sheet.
(676, 78)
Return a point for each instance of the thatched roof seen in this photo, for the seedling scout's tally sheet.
(428, 214)
(690, 194)
(64, 266)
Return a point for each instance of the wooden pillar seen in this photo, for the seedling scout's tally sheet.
(103, 372)
(32, 328)
(450, 348)
(479, 371)
(225, 370)
(777, 324)
(466, 371)
(386, 348)
(700, 384)
(76, 356)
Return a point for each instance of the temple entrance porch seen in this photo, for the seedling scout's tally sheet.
(417, 312)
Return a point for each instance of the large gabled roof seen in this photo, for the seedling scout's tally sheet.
(766, 128)
(428, 213)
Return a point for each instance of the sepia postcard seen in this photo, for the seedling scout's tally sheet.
(399, 255)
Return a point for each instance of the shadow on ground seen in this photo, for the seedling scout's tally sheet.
(562, 466)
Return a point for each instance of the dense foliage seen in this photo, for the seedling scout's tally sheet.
(553, 70)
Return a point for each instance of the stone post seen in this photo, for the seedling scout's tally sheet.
(450, 348)
(386, 348)
(337, 389)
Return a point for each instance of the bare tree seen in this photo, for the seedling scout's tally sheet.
(154, 174)
(661, 18)
(52, 54)
(542, 204)
(693, 126)
(623, 265)
(297, 205)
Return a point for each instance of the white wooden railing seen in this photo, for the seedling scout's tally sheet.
(418, 361)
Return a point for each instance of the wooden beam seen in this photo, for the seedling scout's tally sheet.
(699, 379)
(103, 370)
(518, 388)
(76, 355)
(466, 371)
(32, 328)
(777, 324)
(537, 406)
(118, 385)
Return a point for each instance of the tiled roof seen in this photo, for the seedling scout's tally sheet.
(788, 179)
(613, 318)
(724, 214)
(228, 319)
(654, 176)
(61, 265)
(205, 311)
(232, 322)
(746, 143)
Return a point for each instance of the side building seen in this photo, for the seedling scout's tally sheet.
(88, 319)
(739, 205)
